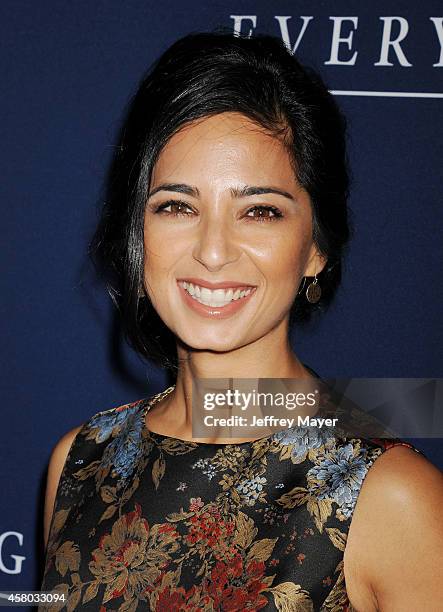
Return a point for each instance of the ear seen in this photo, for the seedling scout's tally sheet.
(316, 262)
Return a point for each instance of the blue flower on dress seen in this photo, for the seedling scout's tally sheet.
(106, 421)
(123, 452)
(303, 439)
(206, 467)
(251, 489)
(340, 477)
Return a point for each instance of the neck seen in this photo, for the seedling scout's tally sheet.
(268, 357)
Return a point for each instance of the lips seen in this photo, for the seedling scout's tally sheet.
(221, 308)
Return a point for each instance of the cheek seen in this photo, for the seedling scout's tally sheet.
(282, 262)
(159, 252)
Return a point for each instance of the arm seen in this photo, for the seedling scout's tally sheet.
(400, 533)
(56, 464)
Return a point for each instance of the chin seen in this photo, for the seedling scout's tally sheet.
(219, 345)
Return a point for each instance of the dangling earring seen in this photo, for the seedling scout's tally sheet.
(302, 286)
(141, 291)
(313, 292)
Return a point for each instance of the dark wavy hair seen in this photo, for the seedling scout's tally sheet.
(200, 75)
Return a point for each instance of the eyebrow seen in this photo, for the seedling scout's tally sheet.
(235, 191)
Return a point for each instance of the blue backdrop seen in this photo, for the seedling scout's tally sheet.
(68, 69)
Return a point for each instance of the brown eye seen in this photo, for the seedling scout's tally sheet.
(177, 208)
(265, 213)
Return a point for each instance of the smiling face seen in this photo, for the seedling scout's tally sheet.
(225, 208)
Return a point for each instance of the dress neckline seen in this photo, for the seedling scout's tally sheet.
(159, 396)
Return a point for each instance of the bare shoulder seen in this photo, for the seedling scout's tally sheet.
(393, 557)
(56, 463)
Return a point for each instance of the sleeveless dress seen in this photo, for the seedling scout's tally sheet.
(144, 521)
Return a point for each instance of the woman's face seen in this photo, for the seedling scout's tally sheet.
(212, 218)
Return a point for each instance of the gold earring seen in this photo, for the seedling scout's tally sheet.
(302, 286)
(313, 292)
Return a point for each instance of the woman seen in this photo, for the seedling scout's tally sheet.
(227, 212)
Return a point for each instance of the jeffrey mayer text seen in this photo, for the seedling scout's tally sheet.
(268, 421)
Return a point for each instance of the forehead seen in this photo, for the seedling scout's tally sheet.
(224, 145)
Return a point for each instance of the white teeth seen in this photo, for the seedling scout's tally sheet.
(205, 294)
(218, 297)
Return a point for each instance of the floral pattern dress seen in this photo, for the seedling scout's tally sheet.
(144, 521)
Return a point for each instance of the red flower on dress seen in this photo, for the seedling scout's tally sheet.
(235, 587)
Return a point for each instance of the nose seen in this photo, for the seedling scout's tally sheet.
(215, 244)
